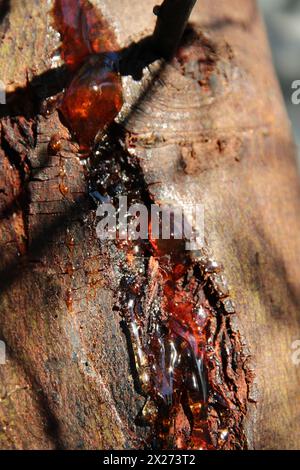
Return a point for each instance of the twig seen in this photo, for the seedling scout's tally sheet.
(172, 18)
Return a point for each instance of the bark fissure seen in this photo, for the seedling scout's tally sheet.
(146, 307)
(18, 140)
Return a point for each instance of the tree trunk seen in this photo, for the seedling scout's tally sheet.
(208, 128)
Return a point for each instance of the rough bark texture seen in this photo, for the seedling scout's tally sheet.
(210, 130)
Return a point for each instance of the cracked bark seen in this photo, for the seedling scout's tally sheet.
(211, 130)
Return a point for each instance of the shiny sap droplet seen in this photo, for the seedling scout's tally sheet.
(93, 98)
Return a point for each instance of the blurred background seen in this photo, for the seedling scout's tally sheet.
(282, 19)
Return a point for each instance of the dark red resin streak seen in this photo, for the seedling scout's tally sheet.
(94, 97)
(176, 352)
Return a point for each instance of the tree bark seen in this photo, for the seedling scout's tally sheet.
(214, 133)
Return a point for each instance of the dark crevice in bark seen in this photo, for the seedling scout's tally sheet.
(5, 6)
(18, 139)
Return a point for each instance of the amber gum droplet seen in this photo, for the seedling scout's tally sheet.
(70, 242)
(63, 189)
(62, 172)
(94, 97)
(54, 145)
(92, 100)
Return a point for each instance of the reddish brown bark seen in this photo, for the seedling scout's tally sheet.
(211, 128)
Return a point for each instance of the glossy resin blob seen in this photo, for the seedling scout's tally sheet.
(93, 98)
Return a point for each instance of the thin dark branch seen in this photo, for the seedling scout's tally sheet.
(172, 18)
